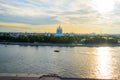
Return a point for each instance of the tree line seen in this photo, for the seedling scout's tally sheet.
(60, 39)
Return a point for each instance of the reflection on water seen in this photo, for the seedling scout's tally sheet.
(83, 62)
(104, 62)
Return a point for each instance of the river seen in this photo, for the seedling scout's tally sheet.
(80, 62)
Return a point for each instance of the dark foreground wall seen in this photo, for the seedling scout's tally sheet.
(45, 78)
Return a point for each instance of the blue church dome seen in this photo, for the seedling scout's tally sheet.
(59, 31)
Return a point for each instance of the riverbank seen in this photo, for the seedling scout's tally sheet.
(41, 77)
(62, 45)
(46, 78)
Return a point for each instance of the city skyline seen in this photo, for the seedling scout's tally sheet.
(78, 16)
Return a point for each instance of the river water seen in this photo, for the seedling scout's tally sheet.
(80, 62)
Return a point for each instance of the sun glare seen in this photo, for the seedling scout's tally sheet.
(104, 62)
(104, 6)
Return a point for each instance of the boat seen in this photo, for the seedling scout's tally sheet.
(56, 51)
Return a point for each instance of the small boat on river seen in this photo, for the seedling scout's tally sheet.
(56, 51)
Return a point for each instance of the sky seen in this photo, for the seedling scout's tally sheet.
(77, 16)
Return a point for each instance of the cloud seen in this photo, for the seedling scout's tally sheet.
(34, 13)
(38, 8)
(42, 20)
(20, 9)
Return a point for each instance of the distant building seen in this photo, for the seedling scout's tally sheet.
(59, 31)
(47, 34)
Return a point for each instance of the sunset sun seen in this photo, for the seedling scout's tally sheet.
(104, 6)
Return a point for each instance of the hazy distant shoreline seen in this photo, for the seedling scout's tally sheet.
(62, 45)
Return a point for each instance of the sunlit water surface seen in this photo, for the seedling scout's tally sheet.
(80, 62)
